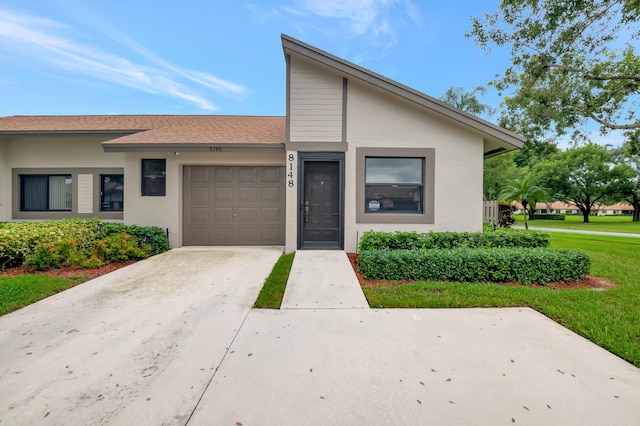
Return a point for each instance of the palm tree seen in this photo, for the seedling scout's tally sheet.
(525, 190)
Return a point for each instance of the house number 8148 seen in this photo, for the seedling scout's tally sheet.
(290, 159)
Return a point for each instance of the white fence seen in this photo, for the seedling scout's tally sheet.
(490, 213)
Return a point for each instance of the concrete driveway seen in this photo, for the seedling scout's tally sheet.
(172, 341)
(137, 346)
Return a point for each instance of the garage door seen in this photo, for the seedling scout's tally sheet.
(229, 206)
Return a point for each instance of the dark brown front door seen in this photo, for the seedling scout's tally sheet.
(321, 218)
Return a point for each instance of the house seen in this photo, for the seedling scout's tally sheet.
(564, 208)
(356, 151)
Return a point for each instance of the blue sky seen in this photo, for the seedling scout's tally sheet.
(61, 57)
(214, 57)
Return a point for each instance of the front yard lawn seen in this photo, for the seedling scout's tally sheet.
(610, 318)
(596, 223)
(22, 290)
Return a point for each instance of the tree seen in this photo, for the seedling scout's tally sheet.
(525, 190)
(572, 63)
(498, 171)
(582, 176)
(467, 101)
(628, 186)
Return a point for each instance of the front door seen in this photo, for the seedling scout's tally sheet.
(321, 209)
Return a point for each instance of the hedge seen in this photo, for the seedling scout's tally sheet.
(523, 265)
(549, 216)
(372, 240)
(154, 236)
(19, 240)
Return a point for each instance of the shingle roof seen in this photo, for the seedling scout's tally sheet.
(157, 129)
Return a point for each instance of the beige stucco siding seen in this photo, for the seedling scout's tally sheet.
(5, 187)
(376, 118)
(61, 151)
(166, 212)
(57, 154)
(315, 103)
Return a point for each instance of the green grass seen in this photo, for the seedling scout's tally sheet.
(609, 318)
(19, 291)
(596, 223)
(270, 296)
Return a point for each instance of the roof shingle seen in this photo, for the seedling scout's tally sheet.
(158, 129)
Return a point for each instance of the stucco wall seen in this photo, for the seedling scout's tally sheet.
(376, 118)
(53, 152)
(5, 186)
(166, 212)
(61, 151)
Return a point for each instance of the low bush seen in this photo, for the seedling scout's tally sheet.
(55, 255)
(19, 240)
(549, 216)
(120, 247)
(35, 241)
(372, 240)
(154, 236)
(523, 265)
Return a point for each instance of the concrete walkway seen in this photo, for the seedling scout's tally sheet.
(579, 231)
(323, 280)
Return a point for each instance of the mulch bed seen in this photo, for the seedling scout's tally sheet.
(589, 282)
(87, 274)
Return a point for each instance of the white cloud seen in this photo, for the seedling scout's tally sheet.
(50, 43)
(364, 17)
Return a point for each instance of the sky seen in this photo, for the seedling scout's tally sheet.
(60, 57)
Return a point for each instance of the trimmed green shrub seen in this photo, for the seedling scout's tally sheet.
(372, 240)
(154, 236)
(64, 253)
(119, 247)
(18, 240)
(523, 265)
(549, 216)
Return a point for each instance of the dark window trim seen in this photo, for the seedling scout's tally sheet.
(144, 191)
(428, 186)
(48, 176)
(102, 190)
(17, 214)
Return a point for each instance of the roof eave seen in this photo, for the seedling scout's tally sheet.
(186, 146)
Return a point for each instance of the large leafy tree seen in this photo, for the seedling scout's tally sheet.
(468, 100)
(572, 62)
(582, 176)
(498, 172)
(527, 191)
(628, 177)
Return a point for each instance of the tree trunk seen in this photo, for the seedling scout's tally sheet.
(585, 214)
(636, 214)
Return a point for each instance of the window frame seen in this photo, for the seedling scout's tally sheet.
(102, 177)
(144, 189)
(426, 216)
(79, 193)
(48, 188)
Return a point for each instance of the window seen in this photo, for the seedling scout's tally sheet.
(154, 177)
(41, 193)
(394, 185)
(111, 193)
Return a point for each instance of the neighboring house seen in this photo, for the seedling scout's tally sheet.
(564, 208)
(356, 151)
